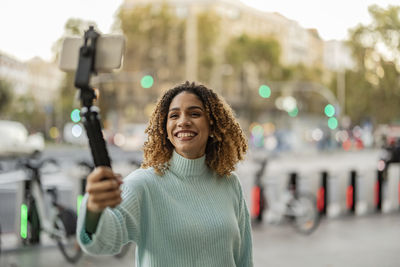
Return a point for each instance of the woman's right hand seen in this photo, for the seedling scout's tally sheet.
(102, 185)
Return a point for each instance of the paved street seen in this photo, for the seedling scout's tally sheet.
(367, 241)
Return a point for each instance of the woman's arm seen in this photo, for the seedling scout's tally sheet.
(103, 225)
(246, 247)
(103, 191)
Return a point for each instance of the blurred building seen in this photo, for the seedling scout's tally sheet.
(299, 45)
(14, 72)
(35, 77)
(44, 80)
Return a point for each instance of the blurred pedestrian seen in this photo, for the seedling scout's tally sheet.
(185, 205)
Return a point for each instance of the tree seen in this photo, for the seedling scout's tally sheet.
(22, 108)
(154, 41)
(254, 61)
(6, 96)
(209, 31)
(373, 87)
(261, 51)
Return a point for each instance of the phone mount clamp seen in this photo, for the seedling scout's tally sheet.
(91, 114)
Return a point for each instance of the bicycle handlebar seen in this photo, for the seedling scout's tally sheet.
(90, 166)
(32, 164)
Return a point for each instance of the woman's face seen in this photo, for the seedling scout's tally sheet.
(188, 127)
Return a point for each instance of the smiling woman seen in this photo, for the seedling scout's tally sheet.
(188, 107)
(185, 205)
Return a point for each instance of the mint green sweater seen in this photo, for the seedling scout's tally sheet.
(187, 217)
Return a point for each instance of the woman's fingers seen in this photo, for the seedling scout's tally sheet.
(103, 189)
(106, 195)
(100, 173)
(103, 185)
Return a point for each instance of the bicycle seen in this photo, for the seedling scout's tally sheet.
(39, 213)
(298, 208)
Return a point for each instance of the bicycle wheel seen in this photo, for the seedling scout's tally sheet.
(305, 213)
(68, 244)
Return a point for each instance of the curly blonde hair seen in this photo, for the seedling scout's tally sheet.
(225, 147)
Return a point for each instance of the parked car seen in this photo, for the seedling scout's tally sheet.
(15, 140)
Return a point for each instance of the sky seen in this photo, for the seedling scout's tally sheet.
(28, 28)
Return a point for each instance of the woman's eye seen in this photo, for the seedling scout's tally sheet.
(195, 114)
(173, 116)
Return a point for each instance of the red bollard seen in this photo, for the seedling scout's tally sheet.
(257, 201)
(322, 194)
(351, 196)
(378, 190)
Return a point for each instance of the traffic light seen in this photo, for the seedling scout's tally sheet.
(264, 91)
(76, 115)
(147, 81)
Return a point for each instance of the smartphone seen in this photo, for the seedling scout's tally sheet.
(109, 53)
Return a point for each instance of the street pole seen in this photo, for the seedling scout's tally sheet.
(341, 91)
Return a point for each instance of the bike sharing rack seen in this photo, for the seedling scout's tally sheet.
(14, 184)
(349, 192)
(342, 193)
(13, 188)
(387, 188)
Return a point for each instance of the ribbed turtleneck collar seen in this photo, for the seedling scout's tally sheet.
(184, 167)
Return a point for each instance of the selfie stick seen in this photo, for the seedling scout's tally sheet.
(91, 114)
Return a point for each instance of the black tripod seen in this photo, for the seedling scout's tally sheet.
(91, 114)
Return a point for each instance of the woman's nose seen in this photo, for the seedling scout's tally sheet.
(184, 122)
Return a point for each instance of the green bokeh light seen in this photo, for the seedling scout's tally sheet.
(329, 110)
(24, 221)
(76, 115)
(257, 130)
(333, 123)
(294, 112)
(264, 91)
(147, 81)
(78, 203)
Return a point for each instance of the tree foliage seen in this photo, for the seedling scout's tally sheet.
(155, 41)
(209, 31)
(6, 96)
(373, 88)
(264, 52)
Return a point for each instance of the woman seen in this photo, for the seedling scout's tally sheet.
(184, 207)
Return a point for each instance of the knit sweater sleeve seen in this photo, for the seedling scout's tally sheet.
(245, 257)
(116, 226)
